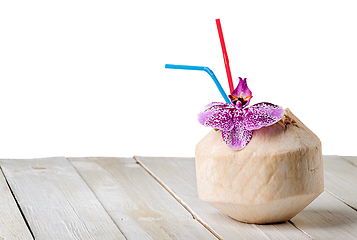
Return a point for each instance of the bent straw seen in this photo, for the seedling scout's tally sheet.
(207, 70)
(225, 55)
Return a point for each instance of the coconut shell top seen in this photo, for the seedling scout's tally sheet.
(287, 134)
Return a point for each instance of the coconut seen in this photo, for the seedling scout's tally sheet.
(271, 180)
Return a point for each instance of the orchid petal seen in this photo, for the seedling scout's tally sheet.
(239, 136)
(217, 105)
(203, 117)
(219, 118)
(242, 93)
(242, 90)
(217, 115)
(262, 115)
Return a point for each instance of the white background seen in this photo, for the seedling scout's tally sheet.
(87, 78)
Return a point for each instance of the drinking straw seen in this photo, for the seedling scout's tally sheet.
(225, 55)
(207, 70)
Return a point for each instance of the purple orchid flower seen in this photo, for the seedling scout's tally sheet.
(236, 120)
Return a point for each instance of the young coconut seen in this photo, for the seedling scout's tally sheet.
(269, 180)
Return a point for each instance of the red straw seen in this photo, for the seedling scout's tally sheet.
(225, 56)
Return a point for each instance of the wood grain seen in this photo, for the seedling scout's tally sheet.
(137, 203)
(178, 176)
(56, 202)
(351, 159)
(12, 225)
(341, 178)
(328, 218)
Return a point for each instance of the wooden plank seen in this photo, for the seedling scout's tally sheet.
(351, 159)
(56, 202)
(341, 179)
(12, 224)
(178, 176)
(328, 218)
(137, 203)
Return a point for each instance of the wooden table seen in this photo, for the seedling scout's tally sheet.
(151, 198)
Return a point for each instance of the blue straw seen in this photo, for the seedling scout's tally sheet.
(207, 70)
